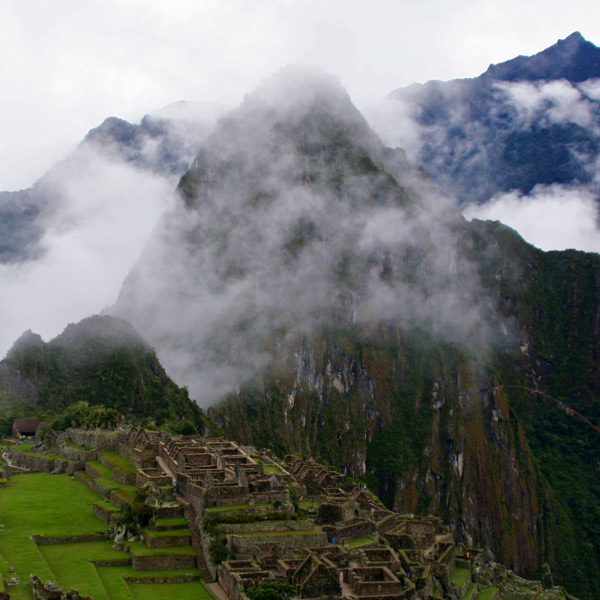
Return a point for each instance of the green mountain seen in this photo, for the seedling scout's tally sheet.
(101, 360)
(343, 307)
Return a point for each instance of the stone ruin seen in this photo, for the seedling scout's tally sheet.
(335, 540)
(51, 591)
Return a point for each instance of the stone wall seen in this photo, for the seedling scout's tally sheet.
(350, 531)
(112, 562)
(156, 476)
(271, 496)
(96, 439)
(267, 526)
(42, 463)
(166, 541)
(294, 541)
(386, 524)
(108, 516)
(45, 540)
(185, 578)
(116, 499)
(166, 561)
(51, 591)
(74, 454)
(123, 478)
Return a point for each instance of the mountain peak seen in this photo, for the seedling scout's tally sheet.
(573, 58)
(296, 91)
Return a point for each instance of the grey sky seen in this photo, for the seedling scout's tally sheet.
(66, 65)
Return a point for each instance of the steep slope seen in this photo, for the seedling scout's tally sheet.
(527, 122)
(489, 442)
(100, 360)
(346, 309)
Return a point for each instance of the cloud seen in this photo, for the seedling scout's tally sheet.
(558, 102)
(106, 212)
(66, 65)
(293, 228)
(550, 217)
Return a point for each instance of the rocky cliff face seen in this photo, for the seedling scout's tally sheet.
(343, 307)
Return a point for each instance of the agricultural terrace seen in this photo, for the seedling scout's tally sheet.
(61, 505)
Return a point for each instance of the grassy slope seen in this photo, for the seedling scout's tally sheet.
(34, 503)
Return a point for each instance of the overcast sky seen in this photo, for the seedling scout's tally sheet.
(65, 65)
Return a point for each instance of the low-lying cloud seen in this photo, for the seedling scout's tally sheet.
(293, 221)
(105, 213)
(550, 217)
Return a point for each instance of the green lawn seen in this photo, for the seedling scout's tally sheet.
(34, 503)
(460, 575)
(304, 504)
(176, 591)
(363, 541)
(270, 468)
(65, 561)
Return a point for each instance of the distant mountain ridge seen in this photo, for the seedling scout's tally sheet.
(527, 122)
(574, 59)
(163, 144)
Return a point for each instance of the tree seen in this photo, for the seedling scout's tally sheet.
(271, 590)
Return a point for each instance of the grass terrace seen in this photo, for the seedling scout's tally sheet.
(487, 593)
(167, 533)
(175, 522)
(140, 549)
(33, 503)
(460, 576)
(118, 461)
(270, 468)
(234, 507)
(103, 470)
(363, 541)
(304, 504)
(470, 591)
(27, 448)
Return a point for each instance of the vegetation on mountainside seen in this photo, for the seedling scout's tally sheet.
(410, 403)
(554, 297)
(100, 361)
